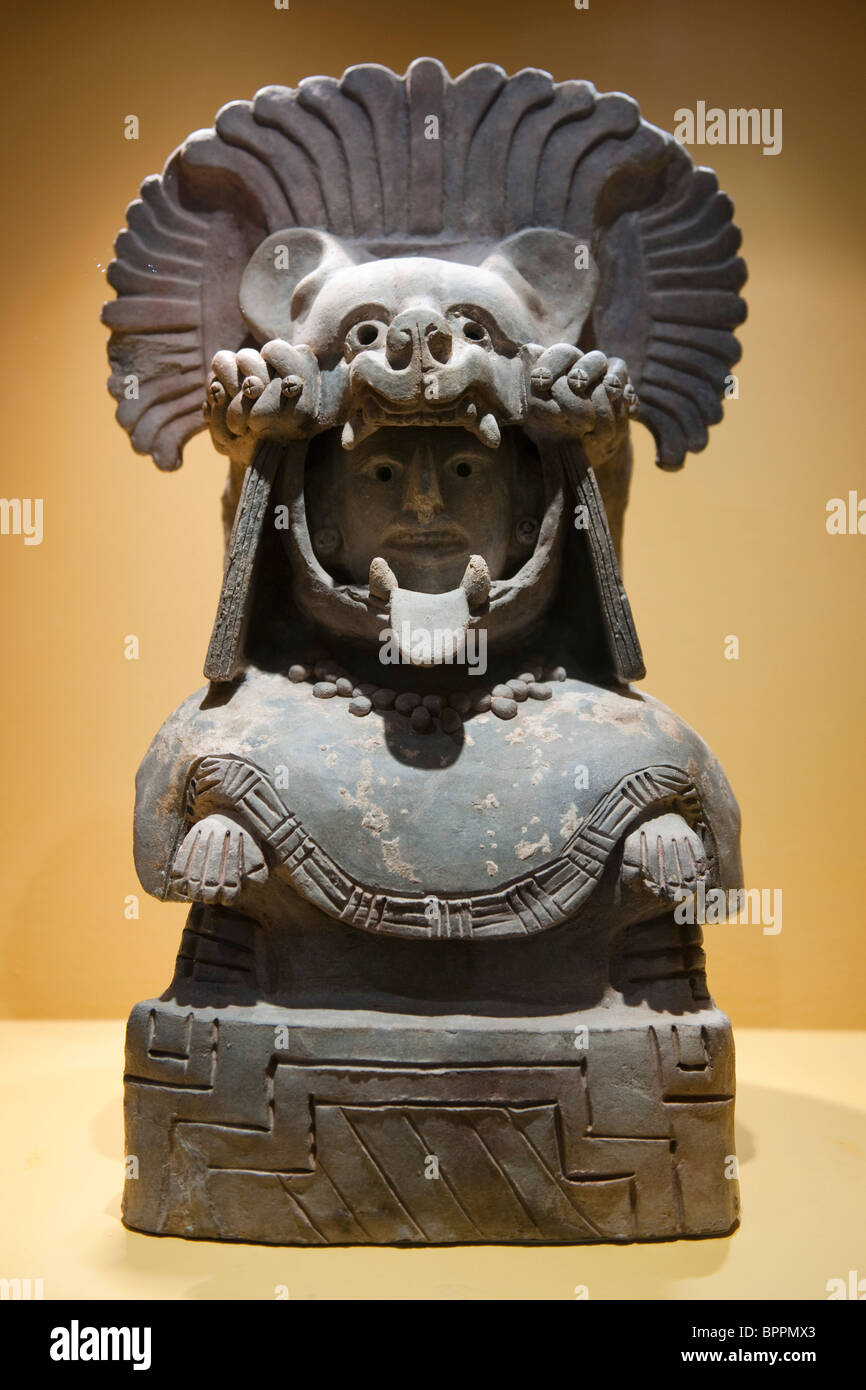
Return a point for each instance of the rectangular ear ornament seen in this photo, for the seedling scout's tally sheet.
(225, 655)
(622, 637)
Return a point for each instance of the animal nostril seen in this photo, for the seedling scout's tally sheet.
(438, 337)
(398, 345)
(416, 333)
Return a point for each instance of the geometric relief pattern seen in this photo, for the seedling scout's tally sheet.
(628, 1142)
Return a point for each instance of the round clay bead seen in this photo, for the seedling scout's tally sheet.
(360, 705)
(405, 703)
(450, 721)
(506, 709)
(421, 720)
(324, 690)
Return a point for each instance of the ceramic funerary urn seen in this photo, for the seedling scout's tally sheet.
(434, 986)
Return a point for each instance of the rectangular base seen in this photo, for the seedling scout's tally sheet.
(310, 1127)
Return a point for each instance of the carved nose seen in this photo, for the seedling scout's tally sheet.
(421, 493)
(421, 334)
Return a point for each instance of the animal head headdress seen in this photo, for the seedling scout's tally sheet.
(487, 251)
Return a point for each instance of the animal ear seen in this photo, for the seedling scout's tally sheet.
(554, 274)
(283, 277)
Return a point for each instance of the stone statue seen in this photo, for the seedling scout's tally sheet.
(434, 985)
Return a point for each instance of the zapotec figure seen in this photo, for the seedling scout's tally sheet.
(431, 835)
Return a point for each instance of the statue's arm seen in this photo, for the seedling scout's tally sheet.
(189, 844)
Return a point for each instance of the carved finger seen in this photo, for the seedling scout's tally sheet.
(225, 369)
(658, 870)
(677, 878)
(197, 864)
(605, 420)
(251, 862)
(237, 413)
(615, 381)
(251, 363)
(618, 406)
(697, 863)
(644, 856)
(180, 873)
(266, 407)
(240, 862)
(585, 373)
(577, 411)
(281, 358)
(555, 362)
(617, 371)
(215, 410)
(217, 883)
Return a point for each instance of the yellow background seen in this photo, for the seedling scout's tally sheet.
(734, 545)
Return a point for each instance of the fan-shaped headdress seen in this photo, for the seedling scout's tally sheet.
(427, 165)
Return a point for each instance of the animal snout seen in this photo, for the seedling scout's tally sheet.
(419, 334)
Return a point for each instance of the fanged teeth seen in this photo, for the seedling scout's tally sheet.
(383, 580)
(368, 420)
(355, 429)
(476, 583)
(486, 429)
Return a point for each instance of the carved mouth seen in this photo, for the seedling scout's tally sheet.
(374, 412)
(445, 538)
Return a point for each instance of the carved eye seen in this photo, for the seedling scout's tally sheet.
(475, 332)
(381, 469)
(363, 336)
(463, 469)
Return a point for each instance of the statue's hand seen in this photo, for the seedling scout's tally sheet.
(664, 857)
(216, 860)
(251, 395)
(585, 395)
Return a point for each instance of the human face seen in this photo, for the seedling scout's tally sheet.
(424, 499)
